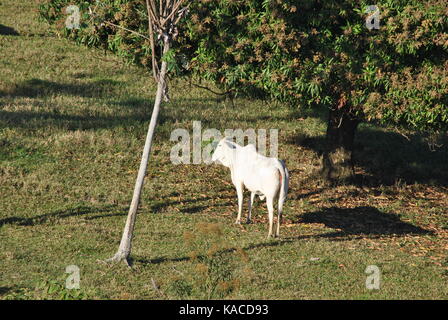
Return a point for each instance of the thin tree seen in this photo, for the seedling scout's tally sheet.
(163, 17)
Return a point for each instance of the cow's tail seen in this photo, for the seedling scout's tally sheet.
(284, 183)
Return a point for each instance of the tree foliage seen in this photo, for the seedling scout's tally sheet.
(308, 53)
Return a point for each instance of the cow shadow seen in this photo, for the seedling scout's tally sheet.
(361, 221)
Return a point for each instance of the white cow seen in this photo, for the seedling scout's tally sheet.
(262, 176)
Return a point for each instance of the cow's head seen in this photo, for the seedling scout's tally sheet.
(224, 152)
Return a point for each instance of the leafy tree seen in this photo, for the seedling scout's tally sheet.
(316, 53)
(308, 53)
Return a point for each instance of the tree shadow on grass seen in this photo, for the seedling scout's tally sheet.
(8, 31)
(386, 157)
(5, 290)
(131, 109)
(37, 87)
(52, 216)
(52, 116)
(40, 119)
(190, 204)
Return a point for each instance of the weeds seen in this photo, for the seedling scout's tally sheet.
(213, 265)
(47, 290)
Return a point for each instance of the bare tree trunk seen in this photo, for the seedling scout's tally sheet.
(337, 158)
(124, 249)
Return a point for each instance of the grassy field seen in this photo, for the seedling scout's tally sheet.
(72, 127)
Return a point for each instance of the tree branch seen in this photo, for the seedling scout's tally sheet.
(173, 11)
(212, 91)
(155, 66)
(129, 30)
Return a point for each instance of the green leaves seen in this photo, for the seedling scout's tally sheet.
(300, 52)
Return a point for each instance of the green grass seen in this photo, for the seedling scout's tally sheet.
(72, 128)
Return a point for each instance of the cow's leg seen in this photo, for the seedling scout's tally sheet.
(279, 219)
(239, 191)
(251, 202)
(270, 204)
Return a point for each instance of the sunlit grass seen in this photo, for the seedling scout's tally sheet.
(72, 127)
